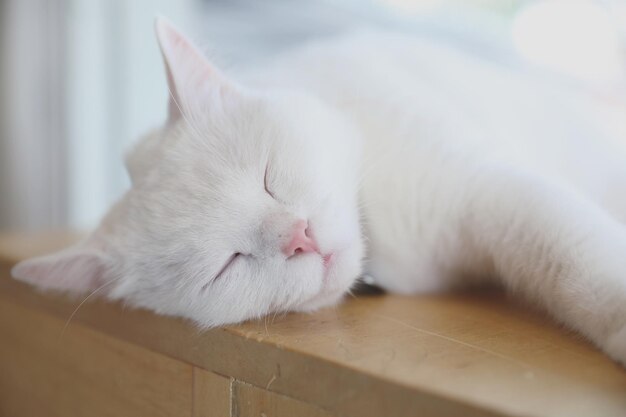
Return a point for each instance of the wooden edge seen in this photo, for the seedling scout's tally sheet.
(469, 355)
(332, 386)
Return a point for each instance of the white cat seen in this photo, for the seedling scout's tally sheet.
(258, 197)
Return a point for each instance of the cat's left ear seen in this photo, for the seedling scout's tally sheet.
(77, 269)
(192, 80)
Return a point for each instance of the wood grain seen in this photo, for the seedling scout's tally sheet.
(471, 354)
(44, 372)
(211, 394)
(250, 401)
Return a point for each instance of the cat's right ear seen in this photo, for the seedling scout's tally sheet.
(78, 269)
(192, 81)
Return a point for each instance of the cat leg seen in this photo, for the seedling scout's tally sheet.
(555, 247)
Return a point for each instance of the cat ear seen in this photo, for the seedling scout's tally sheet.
(80, 268)
(191, 79)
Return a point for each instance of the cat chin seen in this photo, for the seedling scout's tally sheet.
(337, 280)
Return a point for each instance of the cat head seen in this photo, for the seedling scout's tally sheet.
(243, 204)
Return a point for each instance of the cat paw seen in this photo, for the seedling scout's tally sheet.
(615, 346)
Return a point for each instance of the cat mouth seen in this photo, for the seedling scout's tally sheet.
(328, 261)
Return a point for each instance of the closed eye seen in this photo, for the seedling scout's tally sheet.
(267, 190)
(228, 263)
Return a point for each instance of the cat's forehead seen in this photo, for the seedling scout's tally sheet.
(217, 161)
(243, 137)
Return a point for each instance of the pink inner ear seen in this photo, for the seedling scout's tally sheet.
(182, 58)
(192, 80)
(71, 270)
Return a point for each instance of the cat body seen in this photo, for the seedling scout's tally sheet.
(476, 172)
(415, 163)
(432, 122)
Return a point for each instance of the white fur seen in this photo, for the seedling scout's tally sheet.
(462, 172)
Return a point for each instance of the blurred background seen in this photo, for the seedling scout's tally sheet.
(80, 80)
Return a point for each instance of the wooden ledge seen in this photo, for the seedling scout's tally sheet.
(475, 354)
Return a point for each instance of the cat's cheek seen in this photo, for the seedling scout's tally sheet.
(336, 281)
(616, 346)
(342, 273)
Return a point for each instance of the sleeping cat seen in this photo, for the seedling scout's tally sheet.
(422, 166)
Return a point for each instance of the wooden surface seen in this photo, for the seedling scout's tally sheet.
(42, 374)
(211, 394)
(473, 354)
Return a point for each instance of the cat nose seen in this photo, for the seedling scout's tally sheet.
(300, 240)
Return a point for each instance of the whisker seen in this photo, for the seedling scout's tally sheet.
(267, 333)
(274, 316)
(67, 323)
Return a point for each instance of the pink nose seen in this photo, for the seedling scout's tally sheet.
(300, 241)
